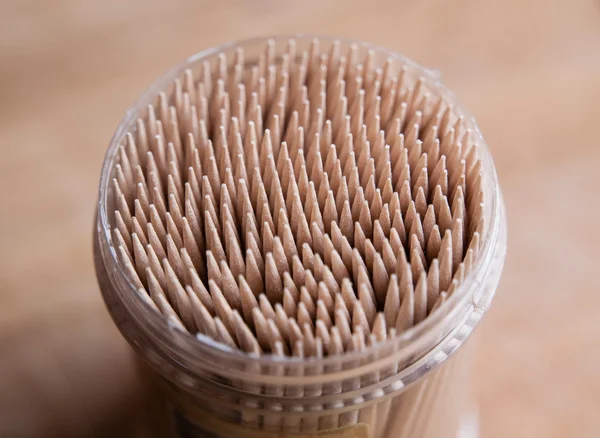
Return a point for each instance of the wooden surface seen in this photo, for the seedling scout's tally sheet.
(528, 70)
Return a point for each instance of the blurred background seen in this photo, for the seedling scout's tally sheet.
(528, 70)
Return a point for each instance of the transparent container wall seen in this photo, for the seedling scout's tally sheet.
(416, 386)
(438, 405)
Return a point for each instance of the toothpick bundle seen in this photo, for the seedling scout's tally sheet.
(305, 203)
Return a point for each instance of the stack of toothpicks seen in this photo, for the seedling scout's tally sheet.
(306, 203)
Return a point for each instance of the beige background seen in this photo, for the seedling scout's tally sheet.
(528, 70)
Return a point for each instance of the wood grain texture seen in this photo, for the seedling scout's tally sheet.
(528, 71)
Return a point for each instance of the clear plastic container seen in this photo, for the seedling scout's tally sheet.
(416, 385)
